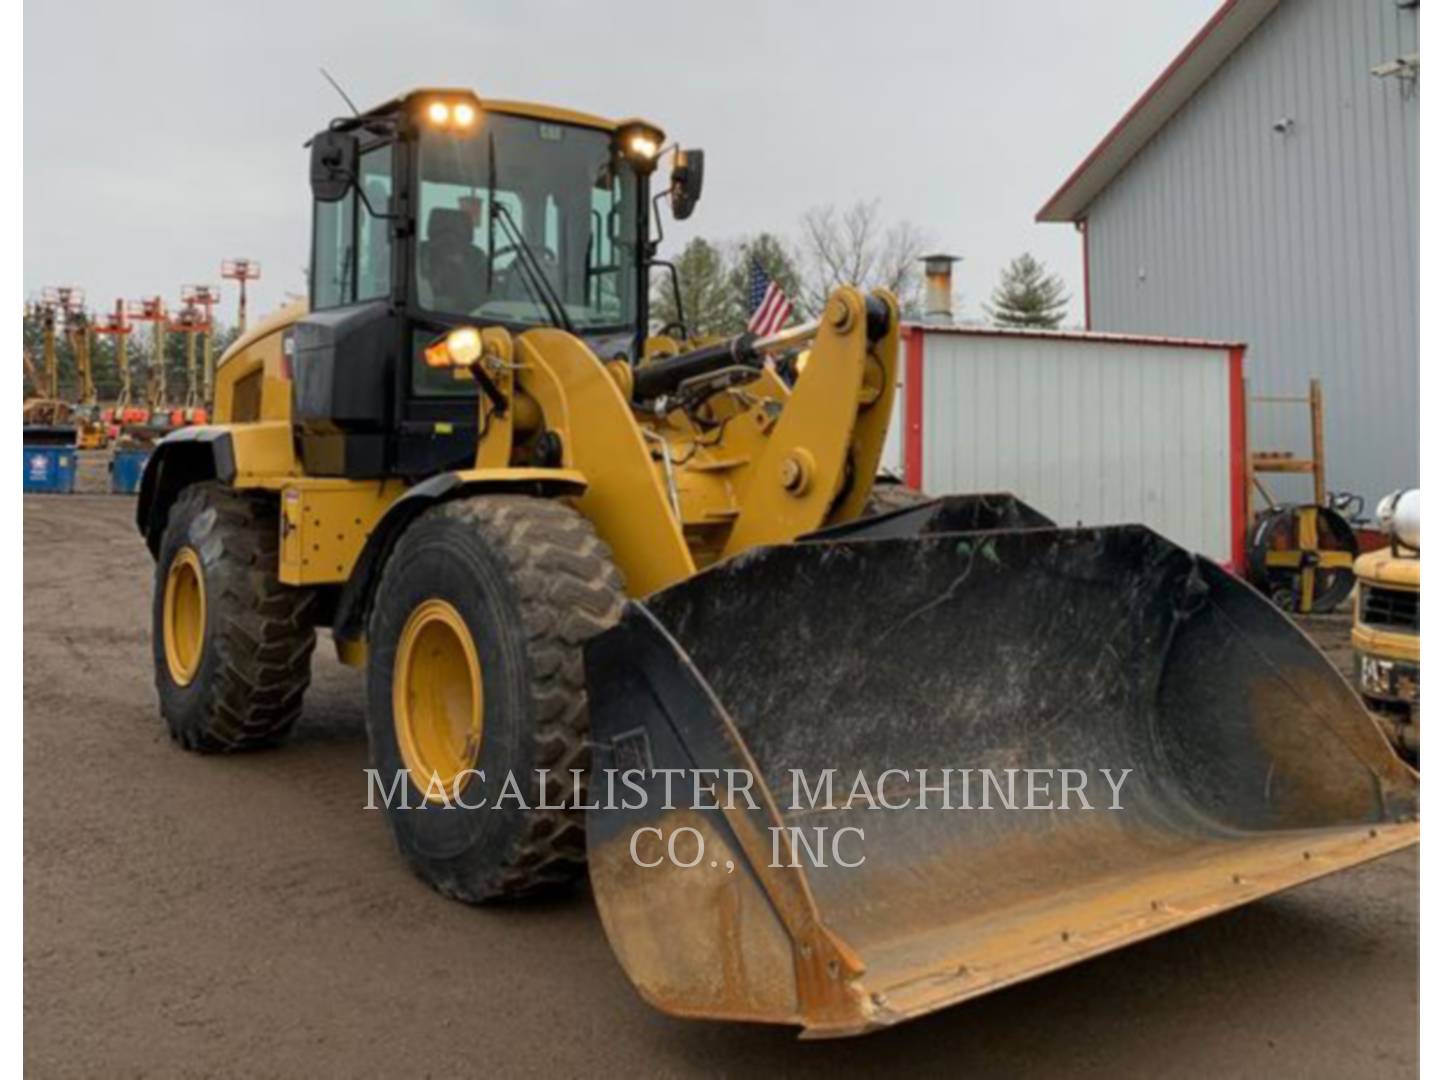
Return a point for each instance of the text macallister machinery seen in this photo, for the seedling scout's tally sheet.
(555, 540)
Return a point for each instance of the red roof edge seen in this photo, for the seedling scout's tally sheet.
(1221, 14)
(1093, 336)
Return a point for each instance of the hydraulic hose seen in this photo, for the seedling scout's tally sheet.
(664, 376)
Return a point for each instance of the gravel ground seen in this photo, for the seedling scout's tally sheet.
(188, 915)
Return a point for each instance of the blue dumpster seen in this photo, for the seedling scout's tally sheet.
(126, 469)
(50, 469)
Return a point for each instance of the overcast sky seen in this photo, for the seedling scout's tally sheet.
(163, 136)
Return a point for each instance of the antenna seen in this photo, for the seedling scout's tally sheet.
(330, 79)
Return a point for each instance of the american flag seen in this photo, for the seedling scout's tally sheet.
(769, 306)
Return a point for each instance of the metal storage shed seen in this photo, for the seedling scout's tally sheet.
(1095, 428)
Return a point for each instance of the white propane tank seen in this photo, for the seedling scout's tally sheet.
(1406, 521)
(1398, 514)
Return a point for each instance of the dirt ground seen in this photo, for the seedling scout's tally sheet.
(189, 915)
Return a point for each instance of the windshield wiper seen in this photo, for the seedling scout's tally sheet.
(525, 259)
(532, 274)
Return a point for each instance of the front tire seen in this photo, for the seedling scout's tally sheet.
(475, 667)
(231, 644)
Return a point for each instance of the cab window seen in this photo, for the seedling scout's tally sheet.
(352, 243)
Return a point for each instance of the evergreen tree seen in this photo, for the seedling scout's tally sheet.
(776, 259)
(704, 290)
(1027, 296)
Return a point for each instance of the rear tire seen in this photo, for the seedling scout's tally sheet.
(531, 582)
(231, 673)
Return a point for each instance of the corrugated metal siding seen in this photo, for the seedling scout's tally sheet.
(1302, 244)
(1096, 432)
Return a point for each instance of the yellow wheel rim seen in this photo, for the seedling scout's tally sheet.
(438, 699)
(184, 616)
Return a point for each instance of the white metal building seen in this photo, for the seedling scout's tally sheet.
(1095, 429)
(1266, 189)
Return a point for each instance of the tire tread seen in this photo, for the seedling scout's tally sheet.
(568, 590)
(264, 630)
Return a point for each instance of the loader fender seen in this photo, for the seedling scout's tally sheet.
(353, 608)
(190, 455)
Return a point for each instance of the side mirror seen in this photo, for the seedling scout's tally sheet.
(687, 180)
(334, 157)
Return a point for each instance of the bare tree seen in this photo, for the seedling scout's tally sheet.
(854, 247)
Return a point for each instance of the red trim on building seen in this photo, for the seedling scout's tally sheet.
(1239, 449)
(1150, 91)
(914, 407)
(1085, 267)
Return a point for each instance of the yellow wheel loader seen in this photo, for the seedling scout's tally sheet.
(1385, 630)
(578, 561)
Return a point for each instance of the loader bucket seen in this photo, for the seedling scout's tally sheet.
(955, 513)
(1036, 658)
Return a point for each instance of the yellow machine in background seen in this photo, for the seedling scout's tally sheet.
(63, 308)
(1386, 631)
(564, 547)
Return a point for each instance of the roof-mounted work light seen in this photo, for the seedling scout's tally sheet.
(451, 113)
(639, 143)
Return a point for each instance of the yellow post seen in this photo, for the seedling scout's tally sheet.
(52, 364)
(191, 389)
(156, 393)
(122, 361)
(85, 340)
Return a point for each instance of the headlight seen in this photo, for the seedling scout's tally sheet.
(461, 347)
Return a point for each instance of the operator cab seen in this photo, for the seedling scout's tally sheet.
(437, 210)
